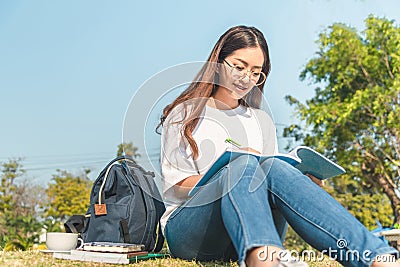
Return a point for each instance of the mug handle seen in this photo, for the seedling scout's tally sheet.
(80, 240)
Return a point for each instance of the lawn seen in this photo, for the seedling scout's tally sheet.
(36, 258)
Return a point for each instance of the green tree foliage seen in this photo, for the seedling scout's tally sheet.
(128, 149)
(9, 172)
(19, 205)
(67, 194)
(354, 115)
(294, 242)
(23, 232)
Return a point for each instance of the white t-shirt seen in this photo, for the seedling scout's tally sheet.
(249, 127)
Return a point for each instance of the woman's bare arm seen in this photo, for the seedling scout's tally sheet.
(183, 187)
(249, 149)
(319, 182)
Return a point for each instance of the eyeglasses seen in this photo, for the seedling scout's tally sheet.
(240, 72)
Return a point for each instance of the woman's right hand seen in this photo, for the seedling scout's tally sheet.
(249, 149)
(183, 188)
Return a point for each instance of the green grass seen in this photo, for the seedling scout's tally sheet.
(35, 258)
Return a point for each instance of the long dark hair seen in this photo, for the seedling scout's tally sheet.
(233, 39)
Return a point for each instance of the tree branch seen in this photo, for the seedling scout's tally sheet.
(365, 72)
(388, 66)
(389, 157)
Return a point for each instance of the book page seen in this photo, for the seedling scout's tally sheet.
(230, 155)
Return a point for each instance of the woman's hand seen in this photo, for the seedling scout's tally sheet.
(249, 149)
(319, 182)
(183, 187)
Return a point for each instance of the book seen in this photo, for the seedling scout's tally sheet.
(118, 259)
(112, 247)
(108, 254)
(316, 164)
(106, 257)
(304, 158)
(148, 256)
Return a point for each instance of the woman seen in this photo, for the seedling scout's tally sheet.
(242, 212)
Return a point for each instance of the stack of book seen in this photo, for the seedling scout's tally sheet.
(107, 252)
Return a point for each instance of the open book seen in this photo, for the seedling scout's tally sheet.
(112, 247)
(304, 158)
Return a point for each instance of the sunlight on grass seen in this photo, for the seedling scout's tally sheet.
(36, 258)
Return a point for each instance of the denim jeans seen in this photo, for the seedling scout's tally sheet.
(247, 205)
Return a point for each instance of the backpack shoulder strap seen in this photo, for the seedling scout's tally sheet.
(75, 224)
(147, 192)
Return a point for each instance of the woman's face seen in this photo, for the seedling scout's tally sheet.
(247, 61)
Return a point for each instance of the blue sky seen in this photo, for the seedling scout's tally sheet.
(68, 69)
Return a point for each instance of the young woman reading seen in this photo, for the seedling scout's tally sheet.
(243, 211)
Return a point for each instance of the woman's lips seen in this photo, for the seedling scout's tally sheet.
(242, 88)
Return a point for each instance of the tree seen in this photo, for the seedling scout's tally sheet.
(9, 172)
(19, 204)
(23, 232)
(128, 149)
(67, 194)
(354, 115)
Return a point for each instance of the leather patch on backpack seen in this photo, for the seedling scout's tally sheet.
(100, 209)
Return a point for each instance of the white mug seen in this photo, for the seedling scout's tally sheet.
(63, 241)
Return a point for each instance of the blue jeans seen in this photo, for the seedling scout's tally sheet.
(247, 205)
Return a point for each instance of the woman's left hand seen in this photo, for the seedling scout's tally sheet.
(319, 182)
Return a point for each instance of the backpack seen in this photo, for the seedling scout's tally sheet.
(125, 206)
(75, 224)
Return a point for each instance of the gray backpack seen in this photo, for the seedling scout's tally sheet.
(125, 206)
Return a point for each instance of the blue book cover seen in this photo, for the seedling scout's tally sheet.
(303, 158)
(316, 164)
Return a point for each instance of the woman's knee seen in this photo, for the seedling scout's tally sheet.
(243, 166)
(278, 169)
(244, 161)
